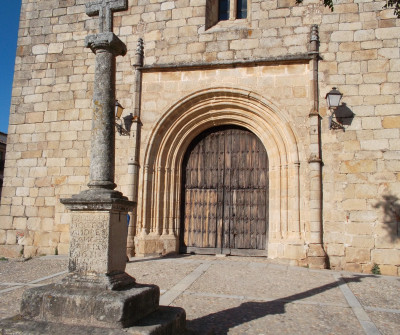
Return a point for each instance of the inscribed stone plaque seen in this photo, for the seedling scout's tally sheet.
(98, 243)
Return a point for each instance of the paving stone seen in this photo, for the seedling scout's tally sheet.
(261, 282)
(240, 295)
(145, 271)
(377, 291)
(233, 316)
(15, 270)
(387, 323)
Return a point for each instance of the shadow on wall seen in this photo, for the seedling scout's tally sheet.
(344, 115)
(221, 322)
(341, 117)
(391, 209)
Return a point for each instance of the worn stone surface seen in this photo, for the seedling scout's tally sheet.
(103, 308)
(165, 321)
(106, 47)
(92, 234)
(242, 295)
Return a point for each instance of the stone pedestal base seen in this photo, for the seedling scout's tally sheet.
(95, 307)
(164, 321)
(66, 310)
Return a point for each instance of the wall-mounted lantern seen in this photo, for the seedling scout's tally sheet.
(118, 109)
(123, 129)
(333, 98)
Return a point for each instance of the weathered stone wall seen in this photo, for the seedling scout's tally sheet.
(3, 143)
(50, 118)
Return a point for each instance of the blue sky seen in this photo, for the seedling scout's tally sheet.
(9, 21)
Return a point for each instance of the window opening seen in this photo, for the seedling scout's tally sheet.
(241, 12)
(223, 10)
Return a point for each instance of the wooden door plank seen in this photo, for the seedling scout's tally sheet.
(188, 214)
(212, 229)
(220, 188)
(194, 223)
(227, 210)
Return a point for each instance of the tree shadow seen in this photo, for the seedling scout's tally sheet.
(391, 209)
(220, 322)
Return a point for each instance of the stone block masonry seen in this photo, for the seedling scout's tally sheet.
(50, 119)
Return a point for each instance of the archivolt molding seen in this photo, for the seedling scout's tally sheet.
(159, 205)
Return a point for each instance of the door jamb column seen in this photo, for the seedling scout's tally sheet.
(316, 255)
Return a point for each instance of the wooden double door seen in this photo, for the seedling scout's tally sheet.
(225, 194)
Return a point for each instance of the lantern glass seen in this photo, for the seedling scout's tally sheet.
(118, 109)
(333, 98)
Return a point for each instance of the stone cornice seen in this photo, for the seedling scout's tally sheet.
(298, 58)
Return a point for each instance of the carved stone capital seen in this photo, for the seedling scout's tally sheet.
(106, 41)
(314, 159)
(98, 199)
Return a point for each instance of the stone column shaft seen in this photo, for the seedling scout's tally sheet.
(103, 122)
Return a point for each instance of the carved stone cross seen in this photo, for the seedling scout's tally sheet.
(105, 9)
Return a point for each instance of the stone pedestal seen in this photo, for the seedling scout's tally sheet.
(97, 291)
(97, 294)
(98, 240)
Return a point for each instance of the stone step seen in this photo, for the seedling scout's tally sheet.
(165, 321)
(95, 307)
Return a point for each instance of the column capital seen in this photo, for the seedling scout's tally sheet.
(106, 41)
(98, 199)
(314, 159)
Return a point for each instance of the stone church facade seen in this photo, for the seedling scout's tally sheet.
(231, 148)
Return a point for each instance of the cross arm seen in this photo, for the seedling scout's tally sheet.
(93, 8)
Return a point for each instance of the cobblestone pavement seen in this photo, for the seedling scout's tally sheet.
(239, 295)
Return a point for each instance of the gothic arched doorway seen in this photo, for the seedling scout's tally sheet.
(225, 193)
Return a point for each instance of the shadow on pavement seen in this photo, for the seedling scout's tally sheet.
(220, 322)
